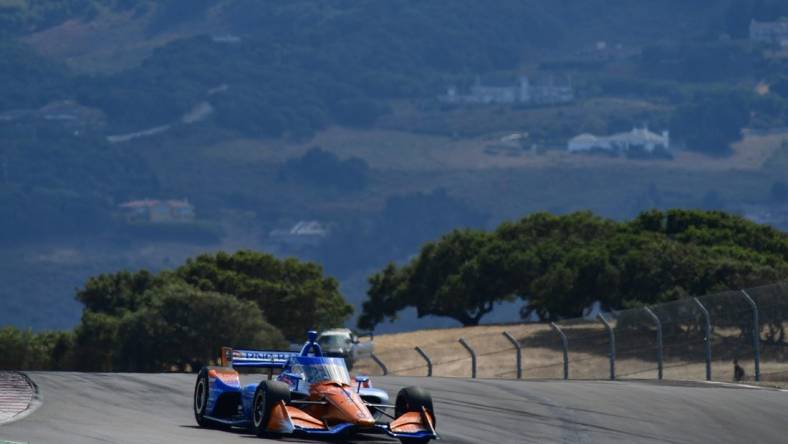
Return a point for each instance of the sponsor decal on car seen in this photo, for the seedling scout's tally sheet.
(261, 356)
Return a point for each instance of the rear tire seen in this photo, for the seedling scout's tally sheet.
(412, 399)
(267, 395)
(201, 388)
(201, 391)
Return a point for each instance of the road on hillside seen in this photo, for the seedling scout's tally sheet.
(134, 408)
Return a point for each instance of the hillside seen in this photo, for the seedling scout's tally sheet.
(224, 103)
(430, 25)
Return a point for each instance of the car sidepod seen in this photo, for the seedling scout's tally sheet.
(224, 397)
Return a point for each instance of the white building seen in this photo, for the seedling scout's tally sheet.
(769, 32)
(486, 93)
(305, 233)
(637, 139)
(523, 91)
(588, 142)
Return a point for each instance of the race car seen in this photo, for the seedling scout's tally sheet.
(343, 343)
(312, 396)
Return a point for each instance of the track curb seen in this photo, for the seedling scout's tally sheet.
(35, 401)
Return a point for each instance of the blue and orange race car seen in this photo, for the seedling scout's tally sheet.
(312, 396)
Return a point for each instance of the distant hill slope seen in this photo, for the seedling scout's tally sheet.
(298, 65)
(359, 78)
(442, 33)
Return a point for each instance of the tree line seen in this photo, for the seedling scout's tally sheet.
(556, 265)
(560, 265)
(178, 319)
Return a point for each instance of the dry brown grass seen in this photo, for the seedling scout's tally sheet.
(111, 43)
(542, 356)
(399, 150)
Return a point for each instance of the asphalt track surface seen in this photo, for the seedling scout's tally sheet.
(135, 408)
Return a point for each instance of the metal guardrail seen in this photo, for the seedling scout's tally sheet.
(756, 338)
(612, 354)
(473, 357)
(380, 364)
(677, 339)
(518, 359)
(426, 358)
(660, 346)
(706, 336)
(564, 347)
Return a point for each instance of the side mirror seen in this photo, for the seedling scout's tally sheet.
(362, 381)
(295, 377)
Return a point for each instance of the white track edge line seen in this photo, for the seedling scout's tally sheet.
(749, 386)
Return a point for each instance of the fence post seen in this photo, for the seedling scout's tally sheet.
(756, 335)
(659, 341)
(565, 346)
(612, 355)
(426, 358)
(380, 363)
(519, 353)
(473, 357)
(707, 339)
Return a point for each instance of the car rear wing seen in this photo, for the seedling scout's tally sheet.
(255, 358)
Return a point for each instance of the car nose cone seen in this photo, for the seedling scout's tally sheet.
(350, 406)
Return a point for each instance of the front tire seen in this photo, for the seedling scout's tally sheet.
(412, 399)
(266, 397)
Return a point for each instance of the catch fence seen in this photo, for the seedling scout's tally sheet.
(689, 339)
